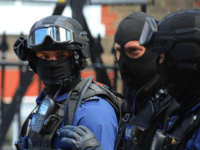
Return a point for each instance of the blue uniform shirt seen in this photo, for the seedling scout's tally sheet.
(97, 115)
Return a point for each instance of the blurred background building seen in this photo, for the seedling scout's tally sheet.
(100, 20)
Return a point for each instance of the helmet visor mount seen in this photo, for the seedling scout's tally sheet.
(163, 41)
(150, 27)
(57, 34)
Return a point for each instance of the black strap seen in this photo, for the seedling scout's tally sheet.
(173, 107)
(189, 132)
(25, 125)
(49, 138)
(122, 124)
(119, 137)
(74, 100)
(113, 101)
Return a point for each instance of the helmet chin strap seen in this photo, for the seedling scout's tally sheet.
(58, 91)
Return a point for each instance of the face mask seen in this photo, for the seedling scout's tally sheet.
(54, 71)
(137, 72)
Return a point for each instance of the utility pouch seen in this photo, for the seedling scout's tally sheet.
(162, 142)
(137, 135)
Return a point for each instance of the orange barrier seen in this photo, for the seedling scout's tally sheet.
(12, 77)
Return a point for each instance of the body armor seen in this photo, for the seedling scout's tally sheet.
(137, 130)
(179, 132)
(65, 111)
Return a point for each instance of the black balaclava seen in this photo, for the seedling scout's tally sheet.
(135, 72)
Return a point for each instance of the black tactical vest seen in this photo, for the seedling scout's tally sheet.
(181, 130)
(66, 111)
(139, 130)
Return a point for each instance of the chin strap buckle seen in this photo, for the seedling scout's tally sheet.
(76, 58)
(69, 79)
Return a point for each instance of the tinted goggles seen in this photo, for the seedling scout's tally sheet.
(56, 33)
(150, 27)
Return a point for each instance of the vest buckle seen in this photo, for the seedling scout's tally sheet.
(126, 118)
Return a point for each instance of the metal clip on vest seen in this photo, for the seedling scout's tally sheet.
(160, 95)
(126, 118)
(161, 101)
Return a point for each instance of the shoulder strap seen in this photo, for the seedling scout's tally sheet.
(84, 90)
(74, 100)
(119, 142)
(126, 113)
(173, 107)
(101, 90)
(112, 99)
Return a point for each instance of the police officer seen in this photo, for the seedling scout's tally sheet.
(176, 38)
(56, 49)
(145, 101)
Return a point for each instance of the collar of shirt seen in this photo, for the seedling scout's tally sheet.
(59, 98)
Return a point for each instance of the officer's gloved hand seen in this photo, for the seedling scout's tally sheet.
(21, 50)
(80, 138)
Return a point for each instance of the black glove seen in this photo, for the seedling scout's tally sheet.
(80, 138)
(21, 50)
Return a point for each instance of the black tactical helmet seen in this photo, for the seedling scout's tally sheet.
(177, 34)
(58, 32)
